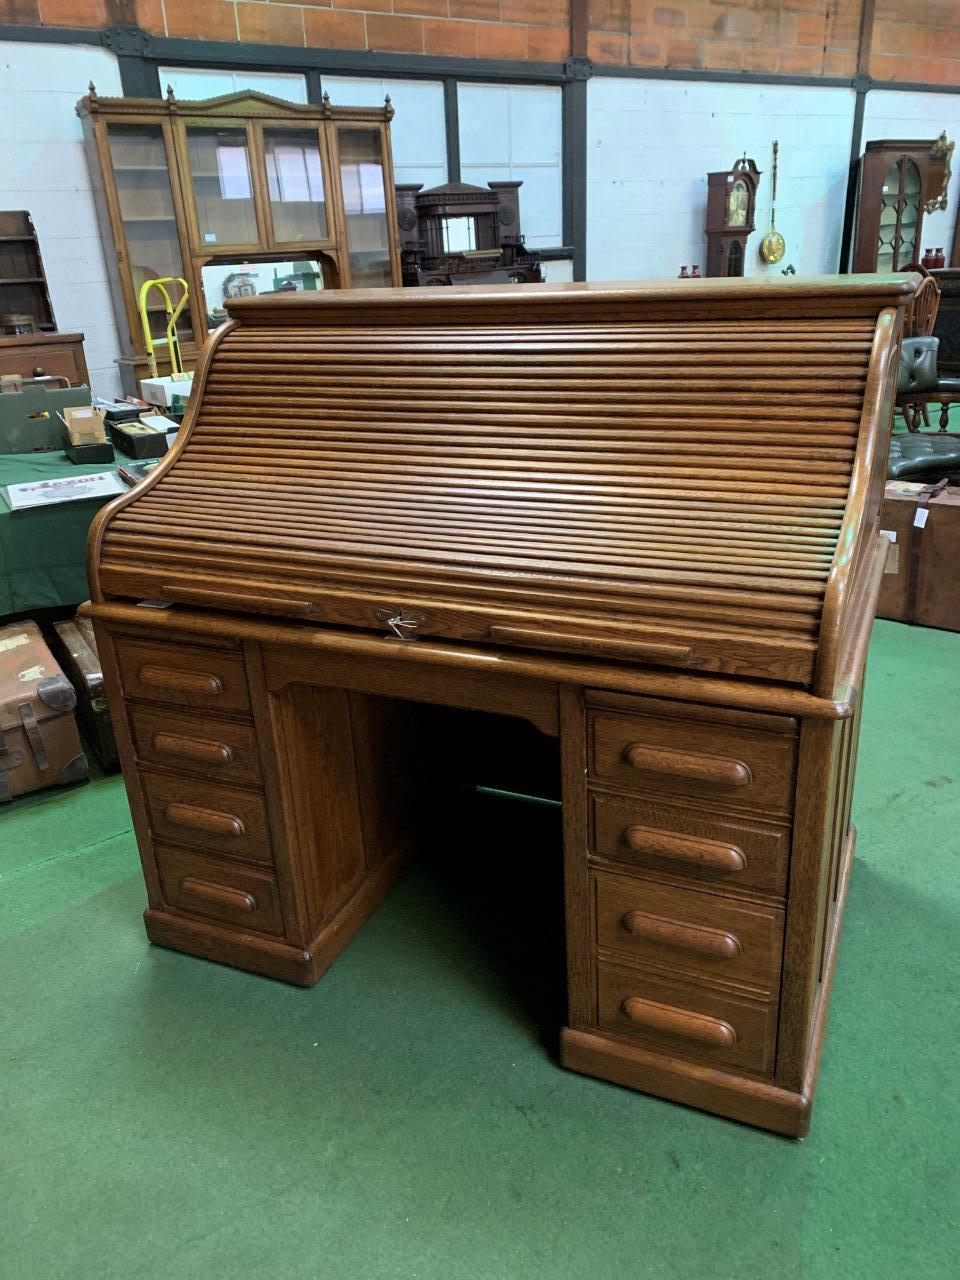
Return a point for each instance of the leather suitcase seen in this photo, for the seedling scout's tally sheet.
(76, 647)
(39, 741)
(922, 584)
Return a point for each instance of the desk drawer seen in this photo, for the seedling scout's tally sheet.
(733, 852)
(703, 934)
(219, 749)
(228, 820)
(718, 763)
(681, 1018)
(241, 896)
(184, 675)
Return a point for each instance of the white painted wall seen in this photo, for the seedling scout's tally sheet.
(652, 143)
(894, 114)
(43, 169)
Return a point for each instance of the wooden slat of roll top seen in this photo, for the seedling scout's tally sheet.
(682, 568)
(508, 471)
(555, 456)
(805, 581)
(822, 430)
(592, 510)
(681, 546)
(618, 480)
(652, 407)
(672, 533)
(714, 445)
(630, 598)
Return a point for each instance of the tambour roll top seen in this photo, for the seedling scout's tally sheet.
(679, 474)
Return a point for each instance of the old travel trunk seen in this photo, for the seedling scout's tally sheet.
(922, 585)
(39, 742)
(77, 650)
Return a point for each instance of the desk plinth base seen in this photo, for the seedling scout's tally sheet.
(755, 1102)
(271, 956)
(736, 1097)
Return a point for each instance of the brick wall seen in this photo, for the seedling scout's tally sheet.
(916, 42)
(796, 37)
(523, 30)
(910, 41)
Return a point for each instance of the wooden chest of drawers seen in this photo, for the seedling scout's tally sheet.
(39, 355)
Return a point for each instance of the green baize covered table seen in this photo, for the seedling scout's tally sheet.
(43, 549)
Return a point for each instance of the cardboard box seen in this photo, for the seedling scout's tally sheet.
(86, 436)
(85, 425)
(922, 582)
(162, 391)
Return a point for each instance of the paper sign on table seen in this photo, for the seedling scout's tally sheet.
(49, 493)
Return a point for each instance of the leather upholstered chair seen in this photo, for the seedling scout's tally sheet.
(918, 383)
(923, 456)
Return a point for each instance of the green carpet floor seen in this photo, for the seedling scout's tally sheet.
(164, 1117)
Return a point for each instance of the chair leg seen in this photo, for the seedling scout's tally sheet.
(944, 415)
(926, 414)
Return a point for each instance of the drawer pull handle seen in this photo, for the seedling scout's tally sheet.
(174, 681)
(716, 943)
(238, 899)
(204, 750)
(209, 595)
(210, 821)
(615, 646)
(680, 1022)
(711, 855)
(686, 764)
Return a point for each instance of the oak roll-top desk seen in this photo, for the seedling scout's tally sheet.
(644, 518)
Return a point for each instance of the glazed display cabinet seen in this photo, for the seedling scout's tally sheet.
(238, 195)
(899, 182)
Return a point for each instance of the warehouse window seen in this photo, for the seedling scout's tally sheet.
(418, 133)
(204, 82)
(511, 132)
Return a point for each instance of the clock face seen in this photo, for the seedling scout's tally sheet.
(738, 204)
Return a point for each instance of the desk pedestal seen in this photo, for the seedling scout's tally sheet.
(707, 847)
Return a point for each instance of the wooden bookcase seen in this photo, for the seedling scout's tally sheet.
(23, 282)
(234, 181)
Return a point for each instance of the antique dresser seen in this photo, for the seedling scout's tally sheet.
(643, 518)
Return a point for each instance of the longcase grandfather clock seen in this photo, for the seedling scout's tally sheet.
(731, 201)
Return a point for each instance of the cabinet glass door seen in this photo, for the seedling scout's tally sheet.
(145, 199)
(365, 207)
(899, 216)
(222, 186)
(295, 185)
